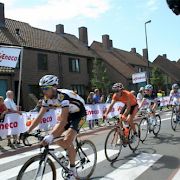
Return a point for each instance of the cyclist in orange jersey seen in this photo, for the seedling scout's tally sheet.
(130, 108)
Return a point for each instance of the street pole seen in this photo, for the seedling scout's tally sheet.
(148, 68)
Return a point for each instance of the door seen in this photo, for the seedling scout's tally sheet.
(3, 87)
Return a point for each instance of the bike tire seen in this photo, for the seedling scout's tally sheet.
(108, 157)
(131, 132)
(173, 121)
(87, 142)
(157, 132)
(146, 129)
(32, 160)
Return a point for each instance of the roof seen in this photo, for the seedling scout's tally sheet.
(108, 56)
(176, 63)
(167, 67)
(41, 39)
(130, 57)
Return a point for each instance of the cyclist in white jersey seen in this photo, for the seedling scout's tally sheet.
(175, 99)
(73, 109)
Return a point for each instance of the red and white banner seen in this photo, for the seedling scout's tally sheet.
(139, 77)
(9, 56)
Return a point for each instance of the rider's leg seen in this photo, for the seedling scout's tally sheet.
(67, 143)
(131, 117)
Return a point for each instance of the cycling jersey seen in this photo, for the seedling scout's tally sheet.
(66, 98)
(124, 98)
(175, 97)
(149, 100)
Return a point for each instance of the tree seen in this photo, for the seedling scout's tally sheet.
(157, 79)
(100, 77)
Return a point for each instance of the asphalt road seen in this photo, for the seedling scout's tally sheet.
(157, 158)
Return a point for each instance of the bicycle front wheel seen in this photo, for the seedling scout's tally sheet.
(143, 127)
(36, 169)
(113, 145)
(173, 119)
(157, 125)
(86, 159)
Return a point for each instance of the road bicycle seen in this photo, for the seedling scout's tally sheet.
(175, 117)
(149, 123)
(42, 166)
(121, 137)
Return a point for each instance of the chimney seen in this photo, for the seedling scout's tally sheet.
(83, 35)
(133, 50)
(164, 56)
(106, 41)
(59, 29)
(145, 54)
(111, 43)
(2, 18)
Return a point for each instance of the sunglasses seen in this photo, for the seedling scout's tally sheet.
(45, 88)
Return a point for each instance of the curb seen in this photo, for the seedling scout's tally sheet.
(35, 146)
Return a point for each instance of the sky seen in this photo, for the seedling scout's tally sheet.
(123, 20)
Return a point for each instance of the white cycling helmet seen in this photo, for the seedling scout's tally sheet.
(175, 86)
(117, 87)
(49, 80)
(148, 87)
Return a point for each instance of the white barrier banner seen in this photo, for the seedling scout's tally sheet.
(13, 124)
(164, 101)
(9, 56)
(96, 111)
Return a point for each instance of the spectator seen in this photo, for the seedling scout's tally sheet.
(102, 99)
(96, 99)
(140, 95)
(12, 108)
(133, 92)
(90, 101)
(3, 109)
(90, 98)
(109, 98)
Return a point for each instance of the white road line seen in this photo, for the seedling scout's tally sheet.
(100, 157)
(133, 168)
(22, 155)
(177, 176)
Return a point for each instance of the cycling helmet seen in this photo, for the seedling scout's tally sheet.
(117, 87)
(148, 87)
(175, 86)
(49, 80)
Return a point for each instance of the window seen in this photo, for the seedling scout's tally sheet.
(79, 88)
(42, 62)
(74, 65)
(140, 69)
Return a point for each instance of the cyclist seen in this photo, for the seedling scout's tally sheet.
(129, 110)
(73, 109)
(149, 101)
(175, 98)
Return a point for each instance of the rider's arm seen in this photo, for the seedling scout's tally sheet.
(38, 119)
(142, 103)
(110, 107)
(63, 118)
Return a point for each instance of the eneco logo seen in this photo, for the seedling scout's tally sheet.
(7, 57)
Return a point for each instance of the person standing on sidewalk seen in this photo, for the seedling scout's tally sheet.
(97, 100)
(90, 101)
(12, 108)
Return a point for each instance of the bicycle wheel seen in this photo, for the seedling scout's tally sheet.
(113, 145)
(34, 169)
(134, 139)
(143, 128)
(173, 119)
(157, 125)
(86, 159)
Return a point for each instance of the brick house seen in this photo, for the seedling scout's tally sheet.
(170, 70)
(45, 52)
(120, 64)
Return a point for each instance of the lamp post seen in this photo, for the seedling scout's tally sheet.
(148, 69)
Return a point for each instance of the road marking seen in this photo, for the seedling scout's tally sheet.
(100, 157)
(133, 168)
(23, 155)
(177, 176)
